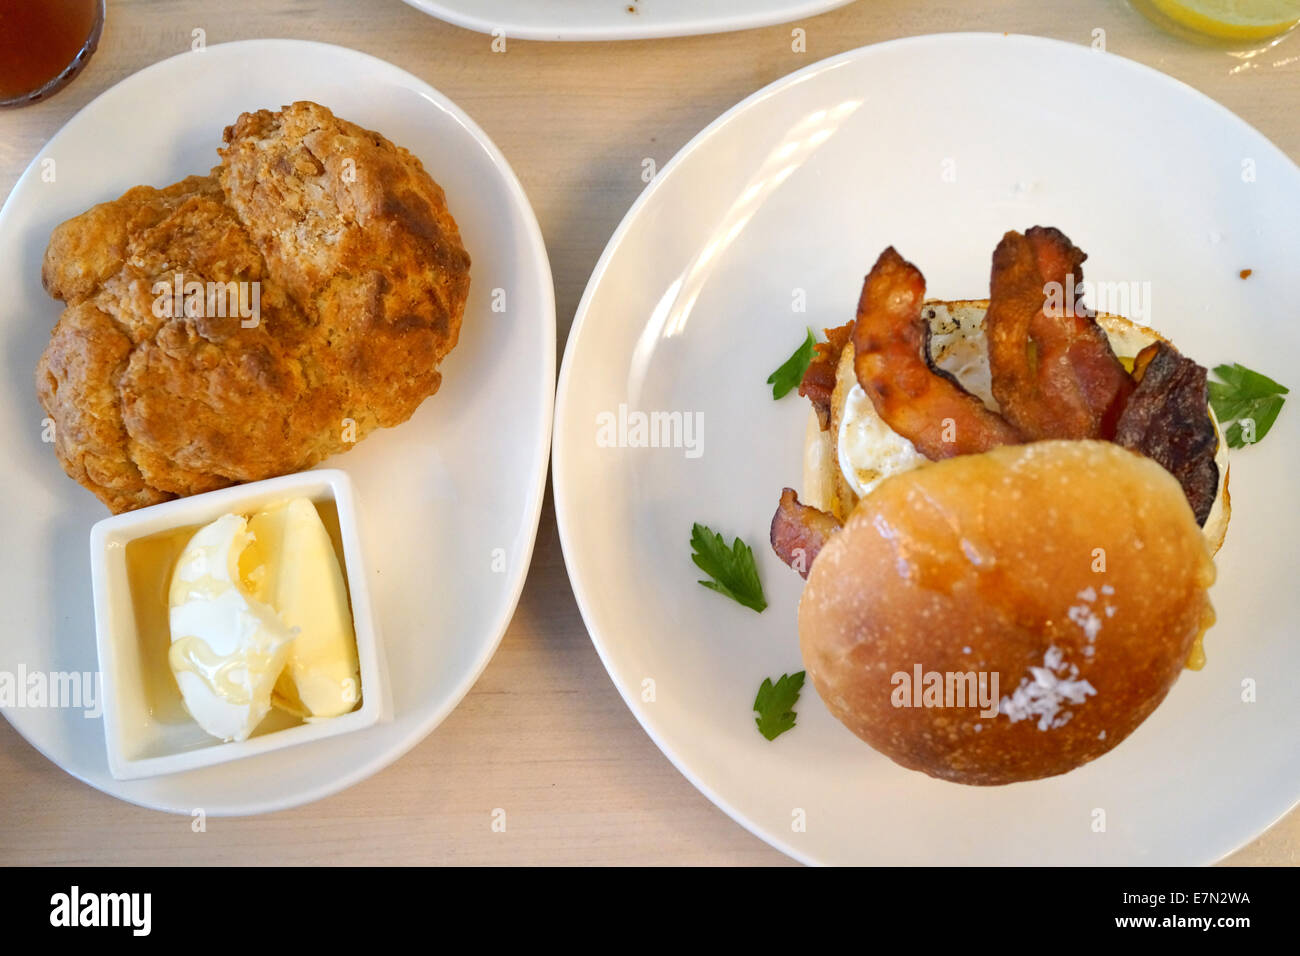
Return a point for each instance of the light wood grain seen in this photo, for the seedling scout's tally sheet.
(544, 734)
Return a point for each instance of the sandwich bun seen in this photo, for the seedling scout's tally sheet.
(859, 450)
(1072, 572)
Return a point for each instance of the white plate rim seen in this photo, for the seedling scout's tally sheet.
(564, 508)
(546, 299)
(577, 32)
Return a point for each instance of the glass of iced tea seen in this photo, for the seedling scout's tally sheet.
(44, 44)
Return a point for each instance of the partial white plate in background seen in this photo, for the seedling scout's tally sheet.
(448, 502)
(937, 145)
(618, 19)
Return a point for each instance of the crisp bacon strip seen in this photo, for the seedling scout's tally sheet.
(1054, 373)
(1072, 344)
(922, 403)
(818, 385)
(1166, 419)
(799, 531)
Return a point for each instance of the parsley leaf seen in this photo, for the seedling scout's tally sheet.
(791, 373)
(775, 704)
(1245, 396)
(732, 569)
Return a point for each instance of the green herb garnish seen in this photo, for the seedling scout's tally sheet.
(1247, 399)
(732, 569)
(791, 373)
(775, 704)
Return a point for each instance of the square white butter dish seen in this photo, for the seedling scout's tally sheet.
(146, 727)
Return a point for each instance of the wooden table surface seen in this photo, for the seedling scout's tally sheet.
(544, 733)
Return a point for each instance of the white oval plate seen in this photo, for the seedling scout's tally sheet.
(436, 496)
(618, 19)
(936, 145)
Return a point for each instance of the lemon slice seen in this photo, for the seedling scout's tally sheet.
(1233, 19)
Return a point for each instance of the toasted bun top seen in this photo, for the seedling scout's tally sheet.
(1072, 572)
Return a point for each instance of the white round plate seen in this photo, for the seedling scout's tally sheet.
(618, 19)
(936, 145)
(436, 496)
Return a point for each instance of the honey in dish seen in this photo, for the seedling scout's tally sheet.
(149, 564)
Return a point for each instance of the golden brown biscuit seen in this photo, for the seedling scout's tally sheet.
(88, 250)
(359, 235)
(358, 275)
(76, 381)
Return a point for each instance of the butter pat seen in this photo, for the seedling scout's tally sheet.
(301, 579)
(227, 646)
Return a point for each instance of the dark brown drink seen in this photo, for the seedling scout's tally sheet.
(44, 44)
